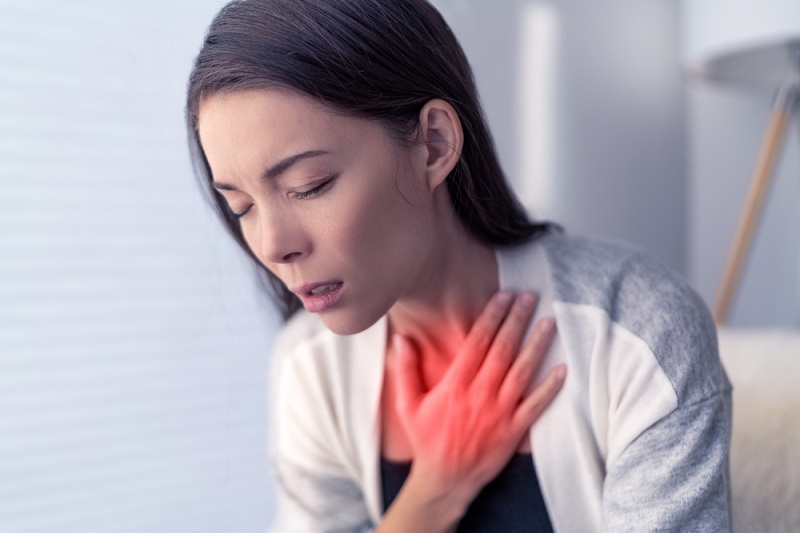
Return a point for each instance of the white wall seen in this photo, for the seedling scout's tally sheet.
(133, 348)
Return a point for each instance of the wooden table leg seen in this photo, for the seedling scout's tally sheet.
(770, 148)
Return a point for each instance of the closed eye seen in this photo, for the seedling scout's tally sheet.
(226, 201)
(242, 213)
(314, 191)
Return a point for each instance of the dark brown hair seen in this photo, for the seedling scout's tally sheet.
(381, 60)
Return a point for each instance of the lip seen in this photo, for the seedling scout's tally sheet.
(317, 303)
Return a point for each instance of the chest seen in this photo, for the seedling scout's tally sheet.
(395, 442)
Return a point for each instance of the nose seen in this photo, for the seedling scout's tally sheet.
(282, 239)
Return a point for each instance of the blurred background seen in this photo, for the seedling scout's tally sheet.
(134, 344)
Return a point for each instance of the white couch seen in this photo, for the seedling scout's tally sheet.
(764, 367)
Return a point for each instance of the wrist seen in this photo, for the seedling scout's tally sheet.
(442, 499)
(425, 505)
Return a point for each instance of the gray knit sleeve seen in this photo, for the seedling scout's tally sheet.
(674, 474)
(673, 477)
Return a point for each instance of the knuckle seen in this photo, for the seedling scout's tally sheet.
(491, 317)
(523, 378)
(524, 368)
(516, 321)
(481, 395)
(515, 376)
(505, 344)
(481, 339)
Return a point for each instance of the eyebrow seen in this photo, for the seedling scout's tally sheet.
(275, 170)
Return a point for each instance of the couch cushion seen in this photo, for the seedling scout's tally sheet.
(764, 367)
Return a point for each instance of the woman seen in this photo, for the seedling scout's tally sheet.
(344, 146)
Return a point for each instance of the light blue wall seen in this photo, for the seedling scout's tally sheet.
(619, 164)
(641, 152)
(726, 126)
(133, 343)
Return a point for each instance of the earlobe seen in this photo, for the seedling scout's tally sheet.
(443, 139)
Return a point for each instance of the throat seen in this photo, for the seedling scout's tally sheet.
(437, 343)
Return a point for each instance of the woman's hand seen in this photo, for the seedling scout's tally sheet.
(465, 429)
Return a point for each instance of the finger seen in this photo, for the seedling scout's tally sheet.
(408, 378)
(506, 343)
(480, 337)
(525, 366)
(540, 397)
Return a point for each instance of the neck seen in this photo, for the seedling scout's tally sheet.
(449, 294)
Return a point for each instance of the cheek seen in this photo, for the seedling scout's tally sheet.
(377, 228)
(392, 252)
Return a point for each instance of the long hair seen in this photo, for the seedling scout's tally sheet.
(381, 60)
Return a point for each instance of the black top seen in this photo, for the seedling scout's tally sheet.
(511, 503)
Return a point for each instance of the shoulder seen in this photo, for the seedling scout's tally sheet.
(313, 455)
(325, 388)
(299, 357)
(618, 277)
(639, 294)
(305, 342)
(313, 369)
(305, 348)
(304, 397)
(298, 375)
(305, 361)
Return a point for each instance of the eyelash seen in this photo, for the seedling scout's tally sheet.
(243, 213)
(301, 195)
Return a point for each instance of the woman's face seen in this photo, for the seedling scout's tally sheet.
(329, 204)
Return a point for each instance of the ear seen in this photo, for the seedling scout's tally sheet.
(442, 140)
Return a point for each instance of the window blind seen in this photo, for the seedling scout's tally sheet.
(134, 344)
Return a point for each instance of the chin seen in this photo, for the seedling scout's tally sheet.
(342, 322)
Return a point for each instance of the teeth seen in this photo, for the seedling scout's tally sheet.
(323, 288)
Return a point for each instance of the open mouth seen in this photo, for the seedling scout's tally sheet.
(322, 297)
(322, 289)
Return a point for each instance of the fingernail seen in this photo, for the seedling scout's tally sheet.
(527, 299)
(547, 325)
(561, 372)
(503, 297)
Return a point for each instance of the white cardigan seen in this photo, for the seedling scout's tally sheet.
(637, 440)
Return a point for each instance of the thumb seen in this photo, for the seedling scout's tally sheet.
(410, 388)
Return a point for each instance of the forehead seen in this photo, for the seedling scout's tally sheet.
(246, 129)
